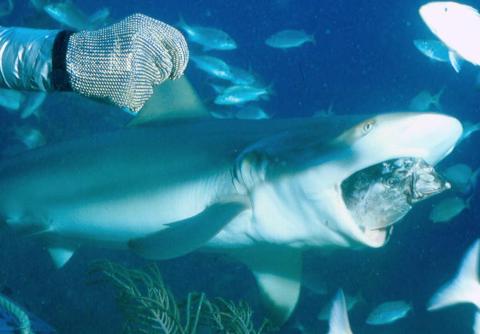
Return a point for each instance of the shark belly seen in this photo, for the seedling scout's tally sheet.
(108, 192)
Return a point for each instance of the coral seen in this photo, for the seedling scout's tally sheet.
(149, 307)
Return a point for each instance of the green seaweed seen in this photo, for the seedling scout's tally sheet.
(149, 307)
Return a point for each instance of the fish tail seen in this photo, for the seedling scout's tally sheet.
(465, 287)
(474, 177)
(476, 127)
(312, 39)
(182, 24)
(436, 98)
(270, 90)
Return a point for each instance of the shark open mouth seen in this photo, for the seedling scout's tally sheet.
(381, 195)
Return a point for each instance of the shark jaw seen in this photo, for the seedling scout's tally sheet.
(312, 203)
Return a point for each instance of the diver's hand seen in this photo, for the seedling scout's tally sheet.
(121, 63)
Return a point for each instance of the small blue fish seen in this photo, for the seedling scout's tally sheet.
(239, 76)
(213, 66)
(31, 137)
(241, 94)
(209, 38)
(11, 99)
(289, 39)
(252, 112)
(34, 101)
(68, 14)
(389, 312)
(433, 49)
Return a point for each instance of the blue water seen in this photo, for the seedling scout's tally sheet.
(364, 62)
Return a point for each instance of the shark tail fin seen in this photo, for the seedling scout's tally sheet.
(465, 287)
(339, 323)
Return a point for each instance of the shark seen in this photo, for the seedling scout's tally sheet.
(262, 191)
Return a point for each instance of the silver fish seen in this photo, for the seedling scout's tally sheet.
(31, 137)
(448, 208)
(389, 312)
(252, 112)
(249, 112)
(218, 88)
(462, 177)
(423, 101)
(469, 129)
(457, 26)
(213, 66)
(209, 38)
(242, 94)
(289, 39)
(240, 76)
(397, 183)
(11, 99)
(433, 49)
(71, 16)
(33, 103)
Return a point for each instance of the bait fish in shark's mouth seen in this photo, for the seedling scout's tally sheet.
(381, 195)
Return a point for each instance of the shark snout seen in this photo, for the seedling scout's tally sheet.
(436, 135)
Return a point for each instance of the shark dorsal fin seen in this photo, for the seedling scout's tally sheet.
(173, 99)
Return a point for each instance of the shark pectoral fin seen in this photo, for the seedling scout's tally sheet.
(278, 274)
(60, 255)
(455, 60)
(173, 99)
(184, 236)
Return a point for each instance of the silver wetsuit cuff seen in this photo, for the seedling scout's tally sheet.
(32, 59)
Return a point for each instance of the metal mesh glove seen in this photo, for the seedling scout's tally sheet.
(121, 63)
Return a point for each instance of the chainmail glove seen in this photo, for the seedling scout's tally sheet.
(121, 63)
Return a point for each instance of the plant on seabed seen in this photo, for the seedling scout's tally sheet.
(149, 307)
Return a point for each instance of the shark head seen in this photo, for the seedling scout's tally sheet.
(455, 24)
(361, 183)
(380, 168)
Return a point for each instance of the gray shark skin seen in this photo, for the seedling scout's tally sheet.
(262, 191)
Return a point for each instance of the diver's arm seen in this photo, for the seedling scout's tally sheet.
(26, 58)
(119, 64)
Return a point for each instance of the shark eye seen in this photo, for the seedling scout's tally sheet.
(368, 126)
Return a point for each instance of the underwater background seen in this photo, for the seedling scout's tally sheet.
(363, 61)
